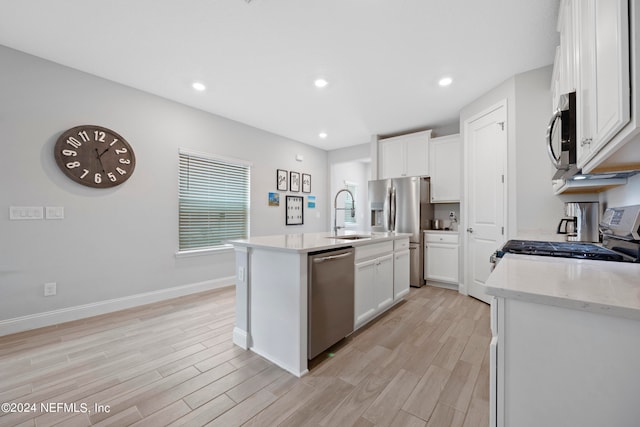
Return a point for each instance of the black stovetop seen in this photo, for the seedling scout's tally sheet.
(560, 249)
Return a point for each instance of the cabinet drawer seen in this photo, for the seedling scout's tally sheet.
(400, 244)
(441, 238)
(374, 250)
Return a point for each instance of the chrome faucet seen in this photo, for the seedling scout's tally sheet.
(336, 209)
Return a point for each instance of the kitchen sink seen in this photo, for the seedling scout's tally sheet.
(352, 237)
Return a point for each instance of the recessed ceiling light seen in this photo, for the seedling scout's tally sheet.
(198, 86)
(445, 81)
(323, 135)
(320, 83)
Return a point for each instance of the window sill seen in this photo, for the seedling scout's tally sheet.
(206, 251)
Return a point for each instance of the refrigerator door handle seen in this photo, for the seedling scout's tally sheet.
(392, 225)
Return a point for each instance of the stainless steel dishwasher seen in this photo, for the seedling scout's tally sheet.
(331, 298)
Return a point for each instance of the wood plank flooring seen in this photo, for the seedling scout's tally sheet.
(424, 363)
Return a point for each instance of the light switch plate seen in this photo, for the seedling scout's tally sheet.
(54, 212)
(25, 212)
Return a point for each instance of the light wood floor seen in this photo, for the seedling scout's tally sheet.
(424, 363)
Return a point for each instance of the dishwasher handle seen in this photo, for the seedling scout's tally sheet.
(332, 257)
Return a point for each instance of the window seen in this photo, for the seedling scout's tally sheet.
(349, 202)
(213, 200)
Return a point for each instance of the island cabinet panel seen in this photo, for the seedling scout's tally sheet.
(563, 367)
(373, 281)
(401, 270)
(278, 301)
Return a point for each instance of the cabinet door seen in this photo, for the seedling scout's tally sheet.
(417, 157)
(604, 85)
(365, 306)
(383, 292)
(445, 168)
(441, 262)
(401, 268)
(392, 159)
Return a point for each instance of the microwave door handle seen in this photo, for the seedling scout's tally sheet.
(555, 160)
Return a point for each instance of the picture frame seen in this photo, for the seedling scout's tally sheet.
(294, 181)
(274, 199)
(306, 183)
(294, 210)
(281, 179)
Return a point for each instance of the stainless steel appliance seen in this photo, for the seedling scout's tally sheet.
(402, 205)
(561, 137)
(580, 223)
(621, 241)
(330, 298)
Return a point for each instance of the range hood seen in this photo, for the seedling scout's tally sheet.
(593, 182)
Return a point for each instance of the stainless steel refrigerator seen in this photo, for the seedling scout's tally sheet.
(402, 205)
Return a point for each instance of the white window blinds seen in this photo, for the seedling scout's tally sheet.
(213, 200)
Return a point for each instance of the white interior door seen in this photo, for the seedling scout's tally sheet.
(485, 155)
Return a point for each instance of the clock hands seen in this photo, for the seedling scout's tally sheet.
(100, 155)
(100, 160)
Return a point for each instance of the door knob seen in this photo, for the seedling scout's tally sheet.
(469, 230)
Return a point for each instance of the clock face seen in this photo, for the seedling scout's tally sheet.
(94, 156)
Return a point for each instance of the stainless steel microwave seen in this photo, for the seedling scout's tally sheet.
(561, 137)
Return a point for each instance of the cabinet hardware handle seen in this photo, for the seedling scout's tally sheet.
(469, 230)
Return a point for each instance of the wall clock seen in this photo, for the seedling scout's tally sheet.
(94, 156)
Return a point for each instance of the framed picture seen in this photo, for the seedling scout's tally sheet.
(295, 210)
(281, 180)
(294, 181)
(274, 199)
(306, 183)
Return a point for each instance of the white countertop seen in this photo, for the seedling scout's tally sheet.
(441, 231)
(603, 287)
(308, 242)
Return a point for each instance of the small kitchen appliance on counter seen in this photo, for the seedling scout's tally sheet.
(580, 223)
(621, 241)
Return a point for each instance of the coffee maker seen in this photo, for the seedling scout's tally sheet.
(580, 223)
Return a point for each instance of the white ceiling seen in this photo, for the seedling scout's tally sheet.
(383, 58)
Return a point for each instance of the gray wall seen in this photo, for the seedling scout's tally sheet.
(118, 242)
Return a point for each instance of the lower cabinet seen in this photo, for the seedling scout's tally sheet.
(401, 269)
(441, 257)
(373, 281)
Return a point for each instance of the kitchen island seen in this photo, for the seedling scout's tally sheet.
(272, 293)
(566, 342)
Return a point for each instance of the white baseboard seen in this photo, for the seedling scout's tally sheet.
(49, 318)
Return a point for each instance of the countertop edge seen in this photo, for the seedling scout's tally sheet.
(331, 243)
(497, 286)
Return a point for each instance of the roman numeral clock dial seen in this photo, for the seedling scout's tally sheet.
(94, 156)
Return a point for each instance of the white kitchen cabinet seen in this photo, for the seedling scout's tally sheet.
(405, 155)
(441, 256)
(401, 268)
(560, 366)
(445, 169)
(603, 96)
(374, 274)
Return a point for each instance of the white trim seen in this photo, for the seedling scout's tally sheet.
(227, 248)
(214, 157)
(241, 338)
(49, 318)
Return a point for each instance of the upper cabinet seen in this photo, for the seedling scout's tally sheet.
(603, 96)
(405, 155)
(598, 57)
(445, 157)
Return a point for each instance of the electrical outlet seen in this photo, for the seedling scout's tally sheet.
(452, 214)
(50, 289)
